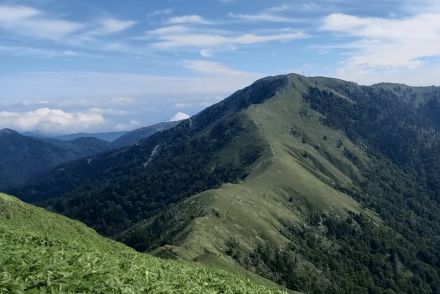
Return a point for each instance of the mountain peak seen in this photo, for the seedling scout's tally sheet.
(7, 132)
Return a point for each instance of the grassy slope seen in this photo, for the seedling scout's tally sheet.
(42, 252)
(285, 186)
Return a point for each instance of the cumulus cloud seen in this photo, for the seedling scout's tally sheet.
(50, 120)
(179, 116)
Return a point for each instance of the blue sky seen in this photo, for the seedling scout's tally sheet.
(89, 65)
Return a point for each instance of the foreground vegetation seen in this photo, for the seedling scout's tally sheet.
(45, 253)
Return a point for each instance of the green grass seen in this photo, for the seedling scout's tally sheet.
(283, 186)
(42, 252)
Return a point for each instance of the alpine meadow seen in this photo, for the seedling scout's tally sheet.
(136, 158)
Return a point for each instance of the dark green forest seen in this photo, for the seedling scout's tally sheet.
(362, 256)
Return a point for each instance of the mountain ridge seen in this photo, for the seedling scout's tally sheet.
(300, 180)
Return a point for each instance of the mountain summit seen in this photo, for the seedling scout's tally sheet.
(304, 181)
(7, 132)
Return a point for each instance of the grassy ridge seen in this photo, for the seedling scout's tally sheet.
(308, 216)
(42, 252)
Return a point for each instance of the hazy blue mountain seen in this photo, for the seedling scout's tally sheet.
(23, 157)
(109, 137)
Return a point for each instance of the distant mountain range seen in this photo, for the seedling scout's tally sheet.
(24, 157)
(133, 137)
(109, 137)
(318, 184)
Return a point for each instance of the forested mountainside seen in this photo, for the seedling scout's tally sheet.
(24, 157)
(318, 184)
(42, 252)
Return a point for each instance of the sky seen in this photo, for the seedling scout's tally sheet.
(106, 65)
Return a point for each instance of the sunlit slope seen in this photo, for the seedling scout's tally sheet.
(302, 171)
(42, 252)
(295, 218)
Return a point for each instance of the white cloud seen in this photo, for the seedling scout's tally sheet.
(38, 52)
(215, 68)
(179, 116)
(263, 17)
(50, 120)
(106, 26)
(31, 22)
(11, 14)
(188, 19)
(167, 40)
(387, 47)
(389, 42)
(306, 6)
(113, 25)
(112, 111)
(206, 53)
(122, 100)
(174, 29)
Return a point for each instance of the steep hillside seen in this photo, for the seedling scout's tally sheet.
(313, 194)
(164, 169)
(45, 253)
(318, 184)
